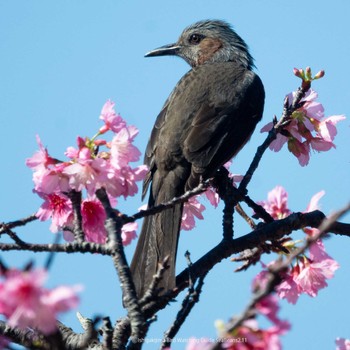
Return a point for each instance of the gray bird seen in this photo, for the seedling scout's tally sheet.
(207, 119)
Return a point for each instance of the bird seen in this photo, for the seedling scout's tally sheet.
(208, 117)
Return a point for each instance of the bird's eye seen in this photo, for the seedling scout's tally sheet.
(195, 39)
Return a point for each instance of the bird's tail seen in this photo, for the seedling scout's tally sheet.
(158, 240)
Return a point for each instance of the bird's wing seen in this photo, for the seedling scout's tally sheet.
(152, 145)
(219, 129)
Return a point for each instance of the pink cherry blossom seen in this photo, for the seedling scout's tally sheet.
(228, 164)
(247, 336)
(94, 217)
(61, 298)
(122, 182)
(129, 232)
(72, 152)
(313, 275)
(307, 129)
(26, 303)
(112, 120)
(193, 208)
(93, 164)
(47, 175)
(257, 338)
(300, 149)
(311, 107)
(41, 158)
(318, 251)
(326, 128)
(280, 140)
(58, 208)
(131, 176)
(319, 144)
(342, 344)
(122, 149)
(308, 275)
(212, 196)
(288, 289)
(313, 204)
(87, 172)
(50, 180)
(277, 203)
(269, 307)
(81, 152)
(236, 178)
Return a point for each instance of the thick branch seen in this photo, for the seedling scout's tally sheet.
(18, 336)
(78, 232)
(265, 232)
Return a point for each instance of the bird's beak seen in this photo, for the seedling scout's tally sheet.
(166, 50)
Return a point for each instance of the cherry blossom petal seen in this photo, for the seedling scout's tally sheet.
(313, 204)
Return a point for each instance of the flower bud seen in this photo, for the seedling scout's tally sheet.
(308, 73)
(298, 73)
(103, 129)
(320, 74)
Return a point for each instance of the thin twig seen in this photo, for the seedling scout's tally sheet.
(187, 305)
(15, 238)
(259, 211)
(245, 216)
(161, 207)
(21, 222)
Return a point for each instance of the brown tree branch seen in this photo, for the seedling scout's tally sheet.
(187, 305)
(12, 224)
(85, 247)
(265, 232)
(75, 198)
(113, 226)
(161, 207)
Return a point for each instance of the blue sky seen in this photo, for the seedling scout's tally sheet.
(60, 61)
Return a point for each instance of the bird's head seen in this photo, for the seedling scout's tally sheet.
(208, 41)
